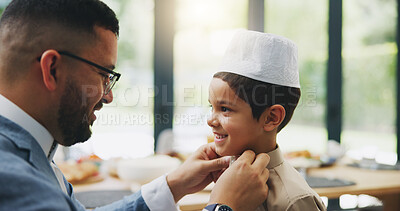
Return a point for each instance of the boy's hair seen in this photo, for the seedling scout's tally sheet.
(261, 95)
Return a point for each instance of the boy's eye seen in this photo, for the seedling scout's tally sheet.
(224, 109)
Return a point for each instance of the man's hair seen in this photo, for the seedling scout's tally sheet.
(29, 27)
(261, 95)
(77, 14)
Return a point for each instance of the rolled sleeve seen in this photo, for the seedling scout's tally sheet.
(158, 196)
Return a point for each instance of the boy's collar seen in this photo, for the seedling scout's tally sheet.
(276, 158)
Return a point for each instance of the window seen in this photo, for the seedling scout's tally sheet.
(203, 31)
(304, 22)
(369, 74)
(124, 128)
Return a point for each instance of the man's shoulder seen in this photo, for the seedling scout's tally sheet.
(11, 129)
(12, 160)
(23, 187)
(21, 184)
(15, 141)
(10, 153)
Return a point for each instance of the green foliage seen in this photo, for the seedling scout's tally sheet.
(369, 64)
(304, 22)
(369, 93)
(311, 108)
(369, 22)
(369, 59)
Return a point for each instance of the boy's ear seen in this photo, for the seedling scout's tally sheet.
(273, 117)
(49, 63)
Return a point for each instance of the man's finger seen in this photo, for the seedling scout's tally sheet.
(261, 161)
(211, 151)
(265, 174)
(217, 174)
(247, 156)
(217, 164)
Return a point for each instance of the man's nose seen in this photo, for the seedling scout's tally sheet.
(108, 98)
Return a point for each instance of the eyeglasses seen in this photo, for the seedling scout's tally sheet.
(112, 76)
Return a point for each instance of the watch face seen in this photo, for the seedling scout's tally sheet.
(224, 208)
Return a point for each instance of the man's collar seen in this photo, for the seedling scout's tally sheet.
(12, 112)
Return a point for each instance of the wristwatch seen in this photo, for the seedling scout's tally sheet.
(217, 207)
(223, 207)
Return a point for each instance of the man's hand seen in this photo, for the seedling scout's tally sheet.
(196, 172)
(243, 186)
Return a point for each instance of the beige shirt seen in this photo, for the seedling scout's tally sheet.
(287, 188)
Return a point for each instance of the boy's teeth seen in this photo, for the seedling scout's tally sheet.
(221, 136)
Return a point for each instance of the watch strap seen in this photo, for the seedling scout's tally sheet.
(211, 207)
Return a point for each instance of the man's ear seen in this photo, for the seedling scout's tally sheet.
(49, 63)
(273, 117)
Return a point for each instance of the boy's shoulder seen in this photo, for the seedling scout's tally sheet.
(287, 188)
(291, 180)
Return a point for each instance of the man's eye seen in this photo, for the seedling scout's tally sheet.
(105, 76)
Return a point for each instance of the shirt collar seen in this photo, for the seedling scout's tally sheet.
(276, 158)
(12, 112)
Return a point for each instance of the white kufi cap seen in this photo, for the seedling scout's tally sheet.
(264, 57)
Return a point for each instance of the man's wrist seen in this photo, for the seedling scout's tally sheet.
(174, 187)
(157, 195)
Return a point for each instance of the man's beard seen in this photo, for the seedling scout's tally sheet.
(74, 116)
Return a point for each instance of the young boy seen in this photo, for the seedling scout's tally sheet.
(253, 97)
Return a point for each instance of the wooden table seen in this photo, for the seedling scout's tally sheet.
(109, 183)
(383, 184)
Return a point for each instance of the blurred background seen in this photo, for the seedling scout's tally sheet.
(169, 50)
(199, 32)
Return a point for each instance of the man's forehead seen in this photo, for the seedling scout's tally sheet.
(105, 47)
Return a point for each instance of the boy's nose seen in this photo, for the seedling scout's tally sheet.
(108, 98)
(212, 121)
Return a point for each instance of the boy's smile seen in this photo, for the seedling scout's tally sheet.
(235, 130)
(219, 137)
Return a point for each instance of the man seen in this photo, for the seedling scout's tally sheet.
(56, 68)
